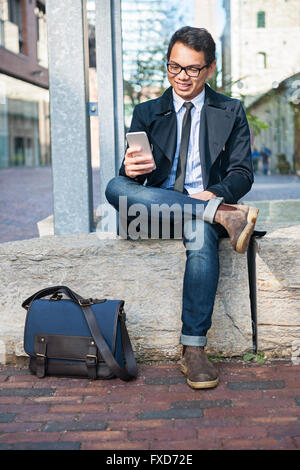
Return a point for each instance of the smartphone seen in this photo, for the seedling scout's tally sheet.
(140, 139)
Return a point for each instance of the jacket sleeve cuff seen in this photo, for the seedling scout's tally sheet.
(217, 190)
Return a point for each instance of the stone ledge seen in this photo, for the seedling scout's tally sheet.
(148, 275)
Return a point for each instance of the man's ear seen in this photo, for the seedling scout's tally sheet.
(211, 69)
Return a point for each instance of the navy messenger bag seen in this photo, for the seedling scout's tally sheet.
(77, 337)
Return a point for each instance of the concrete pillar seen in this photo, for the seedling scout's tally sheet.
(70, 126)
(110, 96)
(4, 134)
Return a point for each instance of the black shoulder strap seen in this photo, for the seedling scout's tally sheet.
(51, 290)
(130, 371)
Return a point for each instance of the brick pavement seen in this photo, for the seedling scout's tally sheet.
(255, 406)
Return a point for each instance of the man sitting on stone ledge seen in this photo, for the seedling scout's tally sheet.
(202, 166)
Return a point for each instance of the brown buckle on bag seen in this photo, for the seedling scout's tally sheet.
(85, 302)
(92, 356)
(56, 296)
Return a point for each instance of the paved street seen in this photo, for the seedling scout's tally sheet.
(274, 187)
(26, 197)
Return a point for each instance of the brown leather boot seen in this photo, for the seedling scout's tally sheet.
(239, 221)
(196, 366)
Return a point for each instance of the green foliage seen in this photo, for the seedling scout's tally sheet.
(283, 165)
(258, 358)
(256, 124)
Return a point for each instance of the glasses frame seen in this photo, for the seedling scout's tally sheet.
(185, 69)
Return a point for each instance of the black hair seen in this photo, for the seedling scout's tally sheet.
(198, 39)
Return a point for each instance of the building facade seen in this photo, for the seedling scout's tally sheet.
(24, 94)
(280, 109)
(260, 45)
(205, 16)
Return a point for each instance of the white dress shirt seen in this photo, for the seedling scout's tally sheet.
(193, 178)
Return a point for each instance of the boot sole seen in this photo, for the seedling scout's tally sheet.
(197, 385)
(243, 240)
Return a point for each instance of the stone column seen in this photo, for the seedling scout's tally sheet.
(110, 97)
(4, 134)
(70, 127)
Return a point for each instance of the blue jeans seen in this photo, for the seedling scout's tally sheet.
(201, 240)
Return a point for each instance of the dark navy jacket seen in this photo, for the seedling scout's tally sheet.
(224, 142)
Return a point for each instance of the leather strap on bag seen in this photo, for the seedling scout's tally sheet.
(130, 370)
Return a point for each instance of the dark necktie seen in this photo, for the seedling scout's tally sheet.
(184, 145)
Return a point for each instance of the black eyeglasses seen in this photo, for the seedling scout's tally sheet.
(190, 70)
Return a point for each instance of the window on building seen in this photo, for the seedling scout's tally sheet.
(14, 12)
(14, 16)
(41, 33)
(40, 12)
(19, 151)
(1, 32)
(261, 60)
(261, 19)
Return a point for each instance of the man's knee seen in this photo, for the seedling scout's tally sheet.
(116, 187)
(112, 188)
(199, 235)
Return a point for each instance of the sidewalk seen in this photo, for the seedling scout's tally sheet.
(255, 406)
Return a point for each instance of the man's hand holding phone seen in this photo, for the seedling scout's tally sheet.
(136, 163)
(138, 158)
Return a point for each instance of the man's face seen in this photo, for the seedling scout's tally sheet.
(189, 87)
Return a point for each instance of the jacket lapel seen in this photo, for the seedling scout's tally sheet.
(216, 124)
(164, 125)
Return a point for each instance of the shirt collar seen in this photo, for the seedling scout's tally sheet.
(197, 101)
